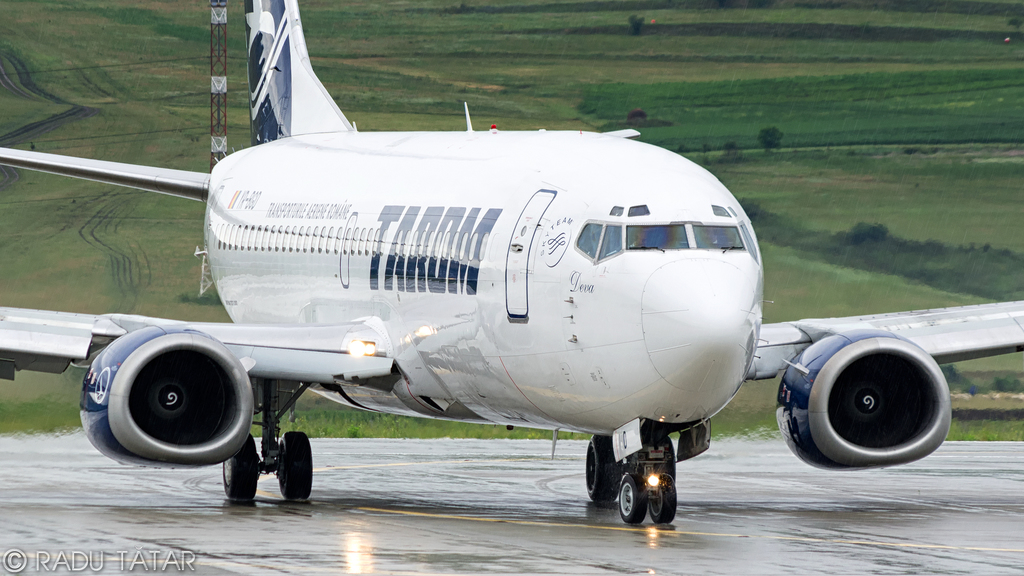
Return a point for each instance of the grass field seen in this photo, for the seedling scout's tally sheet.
(907, 114)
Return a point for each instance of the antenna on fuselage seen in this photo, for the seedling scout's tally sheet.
(469, 123)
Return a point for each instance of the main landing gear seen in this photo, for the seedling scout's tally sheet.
(289, 456)
(644, 483)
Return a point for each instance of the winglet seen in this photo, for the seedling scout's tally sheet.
(469, 123)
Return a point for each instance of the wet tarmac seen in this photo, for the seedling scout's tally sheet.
(497, 506)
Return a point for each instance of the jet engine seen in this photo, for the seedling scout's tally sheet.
(167, 396)
(863, 399)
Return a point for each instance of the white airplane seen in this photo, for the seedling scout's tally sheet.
(555, 280)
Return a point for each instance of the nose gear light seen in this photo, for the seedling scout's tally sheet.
(360, 348)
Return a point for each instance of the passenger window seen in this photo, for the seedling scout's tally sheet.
(432, 244)
(719, 211)
(589, 239)
(612, 241)
(724, 237)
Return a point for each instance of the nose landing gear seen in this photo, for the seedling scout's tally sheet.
(648, 485)
(645, 480)
(290, 457)
(631, 480)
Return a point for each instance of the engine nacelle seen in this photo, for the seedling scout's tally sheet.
(167, 396)
(863, 399)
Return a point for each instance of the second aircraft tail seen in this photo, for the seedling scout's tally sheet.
(285, 96)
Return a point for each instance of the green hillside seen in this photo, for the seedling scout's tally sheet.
(907, 114)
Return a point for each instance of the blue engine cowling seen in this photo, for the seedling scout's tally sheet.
(167, 396)
(863, 399)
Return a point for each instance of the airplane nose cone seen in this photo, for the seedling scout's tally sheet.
(699, 326)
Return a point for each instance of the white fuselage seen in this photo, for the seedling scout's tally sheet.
(493, 312)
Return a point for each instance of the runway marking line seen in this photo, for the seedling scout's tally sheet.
(646, 530)
(650, 529)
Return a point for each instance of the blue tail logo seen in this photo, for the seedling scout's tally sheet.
(270, 69)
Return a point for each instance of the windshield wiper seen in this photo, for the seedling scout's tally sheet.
(646, 248)
(727, 248)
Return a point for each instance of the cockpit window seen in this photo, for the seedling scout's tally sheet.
(612, 241)
(725, 237)
(616, 211)
(590, 238)
(666, 237)
(719, 211)
(749, 241)
(640, 210)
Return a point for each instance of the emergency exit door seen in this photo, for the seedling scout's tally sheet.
(521, 254)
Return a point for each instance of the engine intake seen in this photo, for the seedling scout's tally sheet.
(863, 399)
(170, 396)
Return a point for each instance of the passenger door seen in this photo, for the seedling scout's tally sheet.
(521, 252)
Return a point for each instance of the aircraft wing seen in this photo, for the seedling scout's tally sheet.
(43, 341)
(180, 183)
(947, 334)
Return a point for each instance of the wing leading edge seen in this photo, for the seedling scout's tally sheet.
(43, 341)
(180, 183)
(947, 334)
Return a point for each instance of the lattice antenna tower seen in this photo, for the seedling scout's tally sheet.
(218, 81)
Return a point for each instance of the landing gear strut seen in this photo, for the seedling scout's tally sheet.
(289, 457)
(644, 482)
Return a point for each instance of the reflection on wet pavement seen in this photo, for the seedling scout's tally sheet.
(473, 506)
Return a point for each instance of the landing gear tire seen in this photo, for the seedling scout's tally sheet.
(602, 470)
(295, 466)
(662, 505)
(241, 472)
(632, 499)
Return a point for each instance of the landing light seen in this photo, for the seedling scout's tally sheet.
(360, 348)
(652, 480)
(424, 331)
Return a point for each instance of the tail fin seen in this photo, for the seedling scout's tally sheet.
(285, 96)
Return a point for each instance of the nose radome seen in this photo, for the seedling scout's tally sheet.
(699, 322)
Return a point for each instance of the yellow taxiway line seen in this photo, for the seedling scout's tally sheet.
(652, 530)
